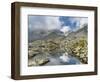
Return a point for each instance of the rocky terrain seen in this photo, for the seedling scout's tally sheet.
(75, 44)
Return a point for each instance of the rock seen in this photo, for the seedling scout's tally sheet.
(82, 55)
(37, 62)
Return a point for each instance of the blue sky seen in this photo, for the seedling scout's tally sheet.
(68, 22)
(63, 23)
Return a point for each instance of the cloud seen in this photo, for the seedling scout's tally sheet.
(73, 22)
(83, 21)
(65, 29)
(78, 21)
(44, 23)
(53, 23)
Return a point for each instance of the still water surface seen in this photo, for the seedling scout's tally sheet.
(62, 59)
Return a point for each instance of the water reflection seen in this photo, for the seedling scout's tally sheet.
(62, 59)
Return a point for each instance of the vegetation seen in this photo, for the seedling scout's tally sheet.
(78, 48)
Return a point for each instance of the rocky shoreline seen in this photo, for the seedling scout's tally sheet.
(41, 49)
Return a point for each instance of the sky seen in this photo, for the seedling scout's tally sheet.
(62, 23)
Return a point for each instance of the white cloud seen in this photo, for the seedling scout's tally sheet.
(44, 23)
(65, 29)
(53, 23)
(83, 21)
(79, 20)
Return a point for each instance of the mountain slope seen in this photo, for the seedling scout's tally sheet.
(82, 32)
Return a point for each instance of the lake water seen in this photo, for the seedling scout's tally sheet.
(62, 59)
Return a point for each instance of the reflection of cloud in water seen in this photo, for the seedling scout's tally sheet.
(67, 59)
(64, 59)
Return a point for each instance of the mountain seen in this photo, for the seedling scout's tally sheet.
(82, 32)
(40, 35)
(36, 35)
(54, 34)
